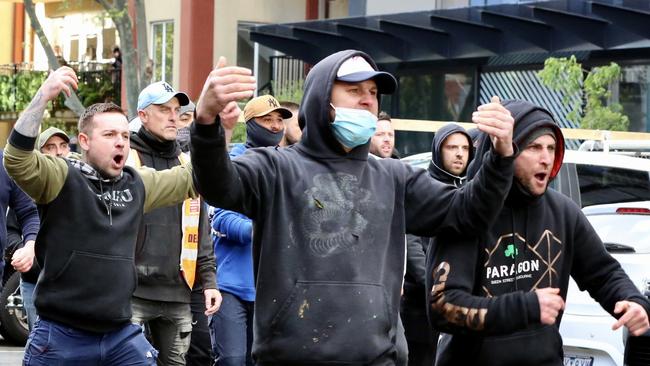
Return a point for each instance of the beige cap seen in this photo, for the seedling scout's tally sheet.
(261, 106)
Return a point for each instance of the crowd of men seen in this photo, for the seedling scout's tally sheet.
(310, 243)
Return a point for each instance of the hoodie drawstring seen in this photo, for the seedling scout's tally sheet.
(514, 238)
(514, 244)
(109, 205)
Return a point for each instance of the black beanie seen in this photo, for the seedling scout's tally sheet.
(533, 135)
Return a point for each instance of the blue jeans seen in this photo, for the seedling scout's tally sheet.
(52, 343)
(231, 332)
(27, 293)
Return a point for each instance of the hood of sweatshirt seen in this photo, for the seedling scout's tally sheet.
(436, 166)
(314, 115)
(145, 142)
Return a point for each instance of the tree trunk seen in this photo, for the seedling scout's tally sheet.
(118, 12)
(143, 49)
(72, 102)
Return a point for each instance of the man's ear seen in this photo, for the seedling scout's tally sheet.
(143, 116)
(83, 141)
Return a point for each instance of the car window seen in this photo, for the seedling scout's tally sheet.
(602, 184)
(631, 230)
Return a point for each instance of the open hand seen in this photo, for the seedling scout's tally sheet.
(495, 120)
(224, 84)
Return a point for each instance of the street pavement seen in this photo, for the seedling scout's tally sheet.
(10, 355)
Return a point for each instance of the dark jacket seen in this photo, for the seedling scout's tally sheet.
(14, 242)
(24, 209)
(414, 289)
(158, 249)
(328, 241)
(86, 242)
(436, 166)
(413, 306)
(482, 292)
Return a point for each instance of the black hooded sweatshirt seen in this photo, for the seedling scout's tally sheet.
(436, 167)
(328, 239)
(483, 291)
(413, 303)
(158, 249)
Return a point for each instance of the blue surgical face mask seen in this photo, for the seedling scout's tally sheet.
(353, 127)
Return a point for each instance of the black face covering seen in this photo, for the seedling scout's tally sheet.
(258, 136)
(166, 148)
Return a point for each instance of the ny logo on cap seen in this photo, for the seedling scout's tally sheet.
(168, 88)
(272, 103)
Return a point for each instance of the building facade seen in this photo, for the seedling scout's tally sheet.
(449, 55)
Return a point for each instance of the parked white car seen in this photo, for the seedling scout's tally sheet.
(586, 327)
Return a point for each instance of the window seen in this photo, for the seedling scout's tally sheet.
(109, 41)
(162, 50)
(602, 184)
(436, 96)
(497, 2)
(74, 48)
(91, 48)
(634, 96)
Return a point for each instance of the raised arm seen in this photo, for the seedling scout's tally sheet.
(167, 187)
(40, 177)
(432, 206)
(215, 178)
(61, 80)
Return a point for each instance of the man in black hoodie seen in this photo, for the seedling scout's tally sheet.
(170, 237)
(328, 238)
(451, 153)
(501, 296)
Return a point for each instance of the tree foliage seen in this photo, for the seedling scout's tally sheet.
(17, 90)
(566, 75)
(239, 133)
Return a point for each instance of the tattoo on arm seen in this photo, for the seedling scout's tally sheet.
(30, 121)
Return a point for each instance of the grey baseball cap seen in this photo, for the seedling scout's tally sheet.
(52, 131)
